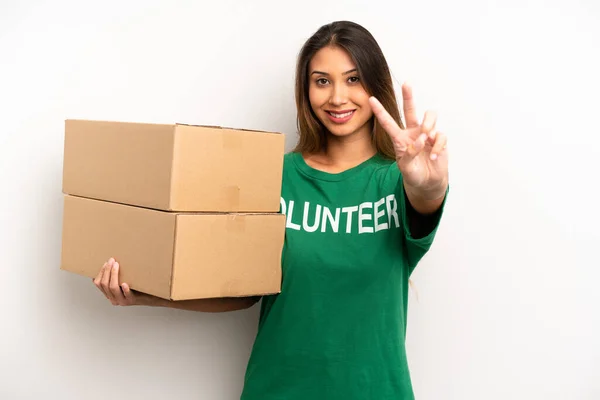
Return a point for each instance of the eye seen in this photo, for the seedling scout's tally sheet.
(354, 79)
(321, 81)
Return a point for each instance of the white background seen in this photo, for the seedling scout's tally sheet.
(506, 304)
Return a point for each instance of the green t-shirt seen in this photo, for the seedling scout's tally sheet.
(337, 329)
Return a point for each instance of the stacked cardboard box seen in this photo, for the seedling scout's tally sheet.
(189, 211)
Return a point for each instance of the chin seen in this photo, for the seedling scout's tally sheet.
(341, 131)
(347, 129)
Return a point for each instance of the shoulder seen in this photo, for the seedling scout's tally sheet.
(289, 161)
(382, 162)
(385, 169)
(289, 157)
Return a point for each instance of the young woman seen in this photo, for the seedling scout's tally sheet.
(364, 196)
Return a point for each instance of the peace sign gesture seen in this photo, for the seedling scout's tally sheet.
(420, 149)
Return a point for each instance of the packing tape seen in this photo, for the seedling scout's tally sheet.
(231, 195)
(236, 223)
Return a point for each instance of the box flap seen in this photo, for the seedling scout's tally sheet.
(108, 121)
(199, 126)
(226, 127)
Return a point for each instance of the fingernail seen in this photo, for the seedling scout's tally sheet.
(116, 265)
(433, 156)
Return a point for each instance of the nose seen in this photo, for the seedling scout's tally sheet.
(339, 95)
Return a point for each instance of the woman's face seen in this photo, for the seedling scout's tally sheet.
(336, 94)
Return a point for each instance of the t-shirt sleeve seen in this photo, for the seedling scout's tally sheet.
(418, 230)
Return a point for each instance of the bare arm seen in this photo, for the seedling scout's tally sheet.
(122, 295)
(426, 201)
(202, 305)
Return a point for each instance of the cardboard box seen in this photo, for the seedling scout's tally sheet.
(174, 167)
(173, 255)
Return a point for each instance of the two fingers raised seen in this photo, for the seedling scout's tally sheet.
(424, 134)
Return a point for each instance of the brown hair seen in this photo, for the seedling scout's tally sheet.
(374, 74)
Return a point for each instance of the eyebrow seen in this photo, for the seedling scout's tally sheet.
(325, 73)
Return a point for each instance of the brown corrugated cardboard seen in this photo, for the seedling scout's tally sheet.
(174, 167)
(173, 255)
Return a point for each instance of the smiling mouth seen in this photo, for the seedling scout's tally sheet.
(340, 114)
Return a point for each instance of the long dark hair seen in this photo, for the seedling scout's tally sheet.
(374, 74)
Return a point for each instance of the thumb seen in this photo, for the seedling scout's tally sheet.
(129, 295)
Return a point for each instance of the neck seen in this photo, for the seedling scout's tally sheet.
(350, 150)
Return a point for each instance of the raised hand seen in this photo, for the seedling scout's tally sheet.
(420, 149)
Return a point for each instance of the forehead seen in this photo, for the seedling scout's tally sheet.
(331, 59)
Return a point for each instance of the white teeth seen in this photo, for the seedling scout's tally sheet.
(344, 115)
